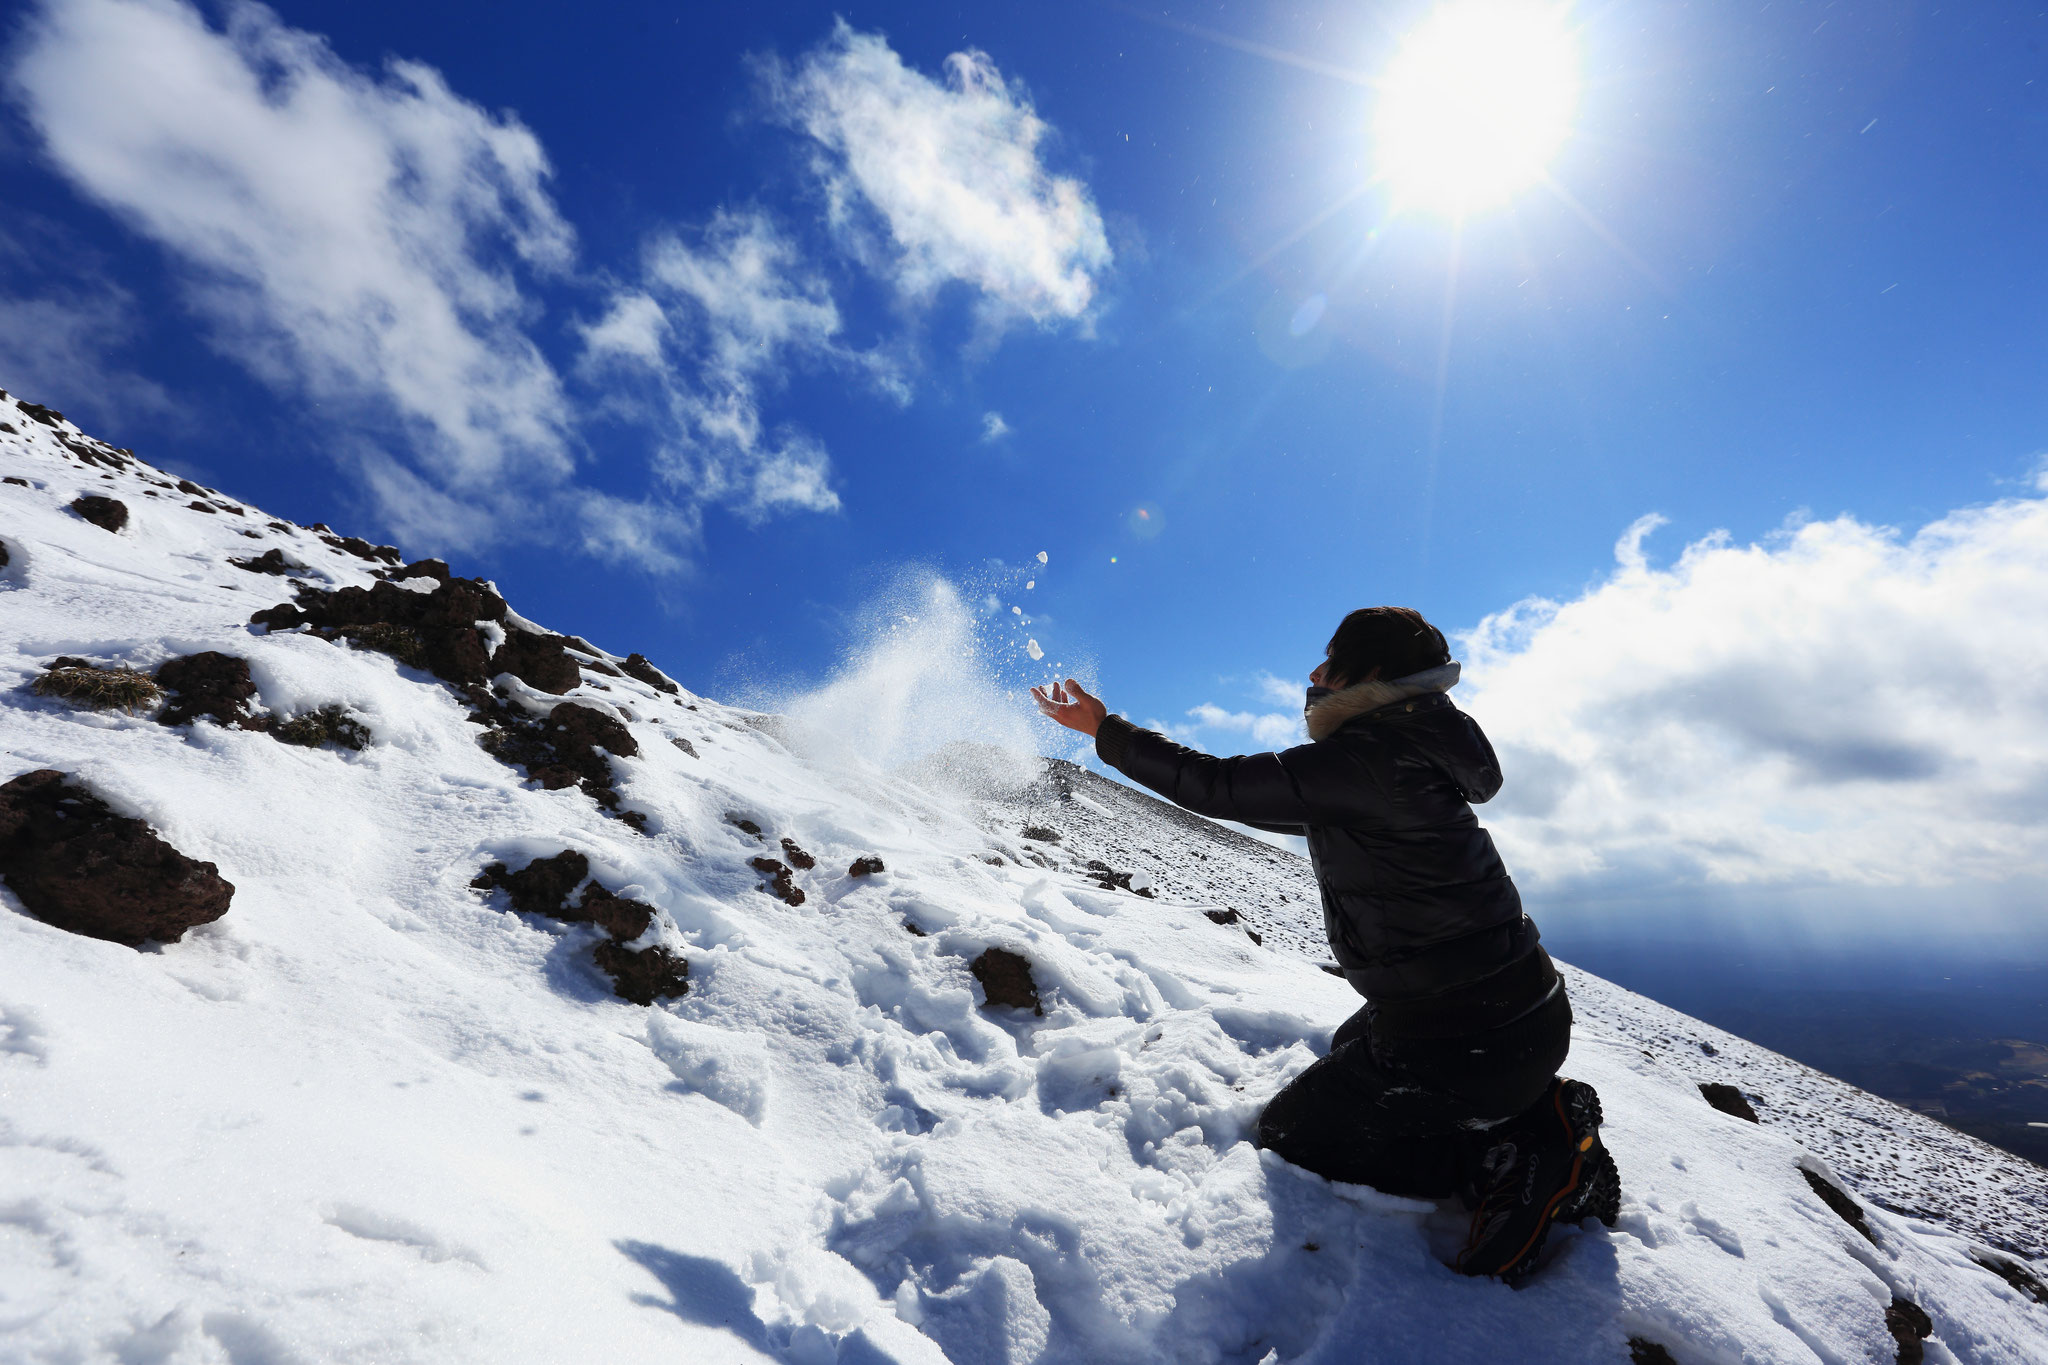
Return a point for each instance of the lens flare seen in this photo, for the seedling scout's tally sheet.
(1476, 104)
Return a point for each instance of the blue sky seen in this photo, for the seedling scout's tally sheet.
(656, 317)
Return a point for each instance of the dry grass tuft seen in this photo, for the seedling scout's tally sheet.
(102, 689)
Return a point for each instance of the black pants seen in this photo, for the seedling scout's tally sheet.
(1409, 1116)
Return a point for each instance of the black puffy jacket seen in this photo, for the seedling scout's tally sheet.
(1415, 899)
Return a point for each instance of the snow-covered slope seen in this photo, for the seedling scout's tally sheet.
(373, 1113)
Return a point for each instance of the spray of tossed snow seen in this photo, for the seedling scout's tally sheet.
(925, 673)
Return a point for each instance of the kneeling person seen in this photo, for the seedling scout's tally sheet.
(1446, 1080)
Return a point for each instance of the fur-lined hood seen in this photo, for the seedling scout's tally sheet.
(1326, 714)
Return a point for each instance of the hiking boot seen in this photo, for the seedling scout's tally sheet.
(1548, 1166)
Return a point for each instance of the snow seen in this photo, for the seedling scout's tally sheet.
(371, 1115)
(1033, 648)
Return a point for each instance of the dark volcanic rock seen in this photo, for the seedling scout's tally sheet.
(637, 666)
(542, 886)
(797, 857)
(570, 748)
(1727, 1099)
(1005, 979)
(540, 661)
(744, 826)
(780, 883)
(209, 684)
(436, 569)
(327, 725)
(1645, 1352)
(1909, 1325)
(866, 866)
(1223, 916)
(1044, 834)
(586, 727)
(109, 514)
(684, 745)
(435, 631)
(271, 561)
(641, 977)
(77, 865)
(363, 549)
(622, 917)
(1845, 1208)
(2014, 1274)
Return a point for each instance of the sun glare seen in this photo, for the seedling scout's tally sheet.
(1476, 103)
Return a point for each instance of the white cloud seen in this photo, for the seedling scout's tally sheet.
(718, 317)
(993, 427)
(1282, 691)
(338, 228)
(952, 173)
(1840, 706)
(1271, 730)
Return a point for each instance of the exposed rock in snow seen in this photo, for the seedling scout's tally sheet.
(637, 666)
(1006, 980)
(109, 514)
(76, 864)
(371, 1115)
(208, 683)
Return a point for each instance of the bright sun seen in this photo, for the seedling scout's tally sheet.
(1476, 103)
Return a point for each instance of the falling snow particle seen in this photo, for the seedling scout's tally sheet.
(1030, 583)
(1041, 557)
(1031, 648)
(1016, 611)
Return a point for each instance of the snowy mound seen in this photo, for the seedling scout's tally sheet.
(986, 1102)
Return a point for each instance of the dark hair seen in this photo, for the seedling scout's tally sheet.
(1395, 640)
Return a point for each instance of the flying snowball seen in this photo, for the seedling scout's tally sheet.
(1031, 648)
(1016, 611)
(1030, 583)
(1041, 557)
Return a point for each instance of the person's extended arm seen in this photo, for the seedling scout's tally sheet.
(1254, 789)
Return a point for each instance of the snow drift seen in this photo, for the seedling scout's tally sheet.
(378, 1111)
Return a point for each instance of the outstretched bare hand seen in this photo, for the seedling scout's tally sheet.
(1071, 706)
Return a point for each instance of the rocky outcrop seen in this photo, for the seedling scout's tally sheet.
(866, 866)
(539, 661)
(434, 631)
(208, 684)
(642, 978)
(572, 747)
(109, 514)
(637, 666)
(547, 886)
(76, 864)
(1839, 1202)
(1727, 1099)
(781, 884)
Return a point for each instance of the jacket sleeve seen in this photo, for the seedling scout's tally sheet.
(1254, 789)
